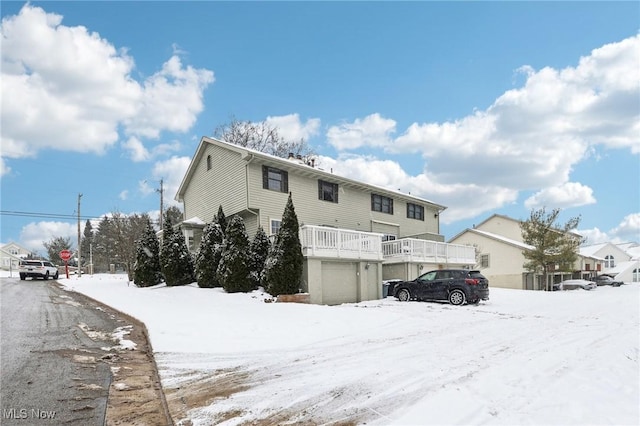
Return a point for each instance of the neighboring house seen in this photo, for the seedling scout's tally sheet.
(621, 261)
(10, 255)
(351, 232)
(499, 245)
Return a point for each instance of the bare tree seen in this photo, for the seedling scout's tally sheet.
(116, 240)
(261, 137)
(174, 213)
(555, 246)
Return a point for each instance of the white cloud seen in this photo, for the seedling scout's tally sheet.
(373, 130)
(124, 195)
(570, 194)
(594, 236)
(136, 149)
(4, 169)
(66, 88)
(145, 188)
(138, 152)
(464, 200)
(291, 128)
(35, 234)
(628, 229)
(530, 138)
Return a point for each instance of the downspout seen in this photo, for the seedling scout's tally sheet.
(246, 180)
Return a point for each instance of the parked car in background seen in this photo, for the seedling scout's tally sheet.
(37, 269)
(577, 284)
(607, 280)
(457, 286)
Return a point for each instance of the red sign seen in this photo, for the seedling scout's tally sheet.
(65, 255)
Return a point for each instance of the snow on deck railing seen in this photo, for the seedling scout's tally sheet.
(415, 250)
(323, 241)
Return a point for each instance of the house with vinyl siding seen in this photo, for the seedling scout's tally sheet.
(10, 255)
(351, 232)
(500, 247)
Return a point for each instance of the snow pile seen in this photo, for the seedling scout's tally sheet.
(523, 357)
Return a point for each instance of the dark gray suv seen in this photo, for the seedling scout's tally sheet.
(457, 286)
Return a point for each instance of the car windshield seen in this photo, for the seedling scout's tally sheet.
(31, 263)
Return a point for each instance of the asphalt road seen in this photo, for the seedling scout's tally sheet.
(52, 365)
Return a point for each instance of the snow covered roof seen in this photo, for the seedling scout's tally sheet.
(195, 221)
(592, 249)
(621, 267)
(503, 239)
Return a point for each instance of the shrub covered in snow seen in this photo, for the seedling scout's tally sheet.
(233, 270)
(147, 267)
(209, 254)
(175, 259)
(258, 253)
(283, 268)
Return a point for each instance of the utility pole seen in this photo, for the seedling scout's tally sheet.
(79, 240)
(161, 191)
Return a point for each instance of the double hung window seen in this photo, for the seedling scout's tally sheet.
(380, 203)
(327, 191)
(275, 179)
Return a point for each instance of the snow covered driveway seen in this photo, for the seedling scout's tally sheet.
(521, 358)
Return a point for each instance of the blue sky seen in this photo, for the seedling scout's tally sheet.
(484, 107)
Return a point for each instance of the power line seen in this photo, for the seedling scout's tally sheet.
(40, 215)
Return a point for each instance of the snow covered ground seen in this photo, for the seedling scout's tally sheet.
(521, 358)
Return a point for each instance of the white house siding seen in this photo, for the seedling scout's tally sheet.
(223, 185)
(505, 261)
(10, 254)
(501, 225)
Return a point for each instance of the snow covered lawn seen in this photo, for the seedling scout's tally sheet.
(521, 358)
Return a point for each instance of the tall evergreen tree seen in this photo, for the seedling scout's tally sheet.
(147, 266)
(175, 260)
(209, 255)
(283, 268)
(554, 246)
(233, 270)
(258, 253)
(221, 219)
(86, 244)
(105, 245)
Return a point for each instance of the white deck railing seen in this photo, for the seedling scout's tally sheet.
(322, 241)
(414, 250)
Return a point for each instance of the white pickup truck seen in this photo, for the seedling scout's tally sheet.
(37, 269)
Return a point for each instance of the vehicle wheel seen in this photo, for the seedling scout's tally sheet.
(404, 295)
(456, 297)
(46, 276)
(23, 277)
(55, 277)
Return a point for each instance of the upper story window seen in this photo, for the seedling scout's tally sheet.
(415, 211)
(275, 179)
(484, 260)
(388, 237)
(381, 203)
(208, 162)
(609, 261)
(328, 191)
